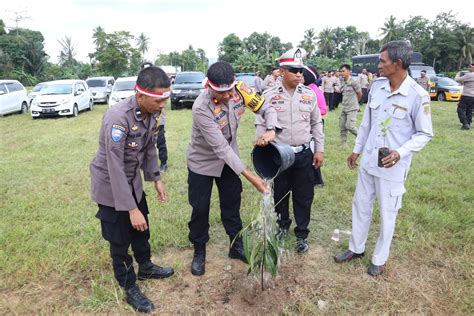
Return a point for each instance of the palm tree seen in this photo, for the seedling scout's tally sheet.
(361, 43)
(326, 41)
(100, 37)
(465, 38)
(389, 29)
(309, 41)
(143, 42)
(68, 51)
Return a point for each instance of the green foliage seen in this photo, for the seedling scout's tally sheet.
(230, 48)
(384, 126)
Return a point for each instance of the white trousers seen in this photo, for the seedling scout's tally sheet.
(389, 195)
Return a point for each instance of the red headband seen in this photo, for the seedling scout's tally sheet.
(149, 93)
(216, 87)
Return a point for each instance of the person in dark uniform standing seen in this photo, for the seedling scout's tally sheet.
(161, 143)
(213, 155)
(302, 129)
(126, 145)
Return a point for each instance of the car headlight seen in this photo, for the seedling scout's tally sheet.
(114, 98)
(202, 90)
(34, 102)
(64, 101)
(454, 91)
(176, 91)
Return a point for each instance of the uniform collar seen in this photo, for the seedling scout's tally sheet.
(403, 89)
(137, 113)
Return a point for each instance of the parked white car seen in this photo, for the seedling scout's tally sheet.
(35, 91)
(63, 98)
(122, 89)
(13, 97)
(101, 88)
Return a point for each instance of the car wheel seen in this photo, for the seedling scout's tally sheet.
(75, 111)
(107, 100)
(441, 97)
(91, 105)
(174, 106)
(24, 108)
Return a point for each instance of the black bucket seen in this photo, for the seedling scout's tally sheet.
(273, 159)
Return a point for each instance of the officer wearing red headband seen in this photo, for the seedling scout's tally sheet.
(126, 144)
(213, 155)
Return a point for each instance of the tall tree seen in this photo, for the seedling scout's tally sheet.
(230, 48)
(417, 31)
(390, 29)
(465, 37)
(143, 43)
(68, 51)
(326, 42)
(309, 41)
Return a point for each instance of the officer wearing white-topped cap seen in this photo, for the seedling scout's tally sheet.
(399, 108)
(213, 155)
(300, 120)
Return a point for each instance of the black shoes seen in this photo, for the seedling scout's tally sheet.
(301, 245)
(236, 250)
(164, 167)
(198, 266)
(150, 270)
(138, 300)
(281, 234)
(466, 126)
(347, 256)
(374, 270)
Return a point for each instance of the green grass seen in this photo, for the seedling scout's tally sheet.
(52, 257)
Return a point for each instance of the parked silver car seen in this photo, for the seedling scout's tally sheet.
(13, 97)
(101, 87)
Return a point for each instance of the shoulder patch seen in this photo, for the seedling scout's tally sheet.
(117, 134)
(426, 108)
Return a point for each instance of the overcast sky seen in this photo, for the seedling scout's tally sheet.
(172, 25)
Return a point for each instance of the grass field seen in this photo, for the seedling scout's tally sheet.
(53, 259)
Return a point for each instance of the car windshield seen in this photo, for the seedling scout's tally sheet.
(38, 87)
(416, 71)
(124, 85)
(95, 83)
(65, 88)
(189, 78)
(447, 82)
(248, 79)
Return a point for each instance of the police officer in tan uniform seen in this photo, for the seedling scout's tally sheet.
(351, 94)
(126, 145)
(271, 79)
(300, 120)
(213, 155)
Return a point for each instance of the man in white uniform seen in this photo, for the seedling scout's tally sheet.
(398, 97)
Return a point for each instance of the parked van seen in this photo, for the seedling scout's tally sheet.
(101, 87)
(13, 97)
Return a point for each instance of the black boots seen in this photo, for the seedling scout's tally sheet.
(198, 266)
(149, 270)
(236, 250)
(138, 300)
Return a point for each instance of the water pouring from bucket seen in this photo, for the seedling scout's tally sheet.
(272, 160)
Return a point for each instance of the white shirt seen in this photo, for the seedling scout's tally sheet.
(409, 129)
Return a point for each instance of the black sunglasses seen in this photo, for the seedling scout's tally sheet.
(295, 70)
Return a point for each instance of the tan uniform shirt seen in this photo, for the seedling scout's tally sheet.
(126, 143)
(298, 116)
(269, 82)
(349, 96)
(364, 81)
(214, 134)
(328, 83)
(468, 81)
(424, 82)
